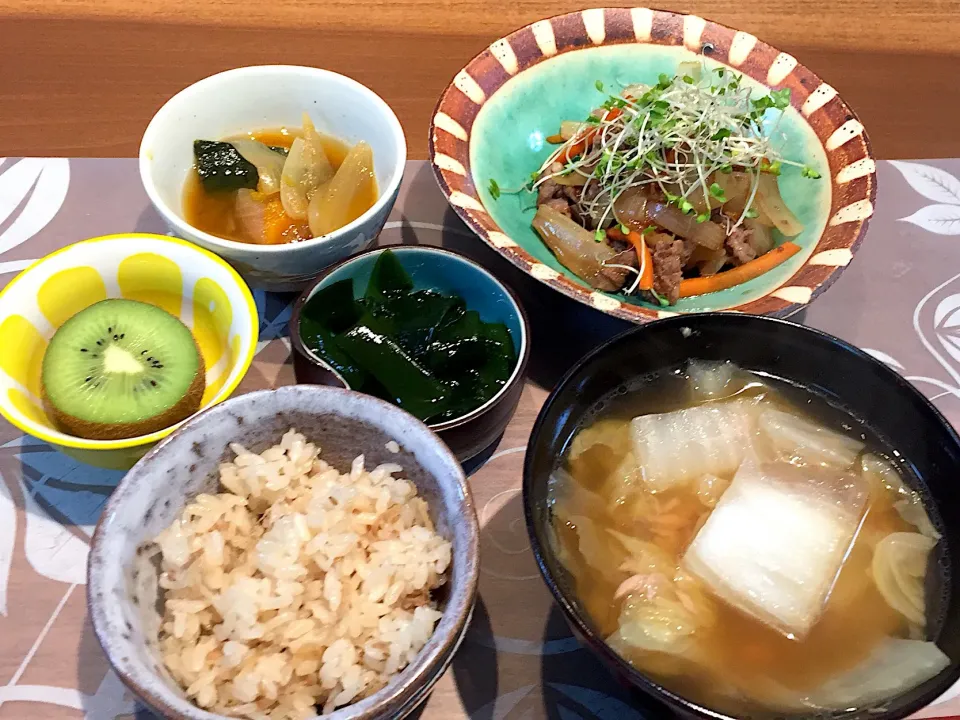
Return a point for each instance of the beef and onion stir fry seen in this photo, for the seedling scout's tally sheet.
(669, 190)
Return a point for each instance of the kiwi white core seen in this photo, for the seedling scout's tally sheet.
(117, 360)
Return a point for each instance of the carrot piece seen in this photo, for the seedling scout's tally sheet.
(581, 146)
(555, 139)
(738, 275)
(278, 227)
(646, 278)
(644, 256)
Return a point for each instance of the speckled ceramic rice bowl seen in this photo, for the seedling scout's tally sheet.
(122, 579)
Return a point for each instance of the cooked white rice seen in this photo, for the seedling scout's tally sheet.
(299, 586)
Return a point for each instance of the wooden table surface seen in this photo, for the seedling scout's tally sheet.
(83, 77)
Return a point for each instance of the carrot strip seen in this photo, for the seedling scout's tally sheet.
(581, 146)
(644, 256)
(646, 279)
(738, 275)
(556, 139)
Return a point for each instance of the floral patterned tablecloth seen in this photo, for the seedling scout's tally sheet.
(900, 298)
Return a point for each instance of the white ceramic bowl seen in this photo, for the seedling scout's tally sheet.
(270, 96)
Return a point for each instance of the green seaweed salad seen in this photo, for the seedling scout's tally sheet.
(420, 349)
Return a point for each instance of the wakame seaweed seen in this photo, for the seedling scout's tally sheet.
(221, 167)
(421, 349)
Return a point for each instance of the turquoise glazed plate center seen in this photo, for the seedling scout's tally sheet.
(507, 144)
(492, 121)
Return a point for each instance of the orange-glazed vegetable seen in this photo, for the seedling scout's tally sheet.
(278, 227)
(580, 147)
(747, 271)
(644, 256)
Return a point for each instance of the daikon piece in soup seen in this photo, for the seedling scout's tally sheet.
(749, 546)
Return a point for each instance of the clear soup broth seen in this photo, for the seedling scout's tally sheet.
(749, 546)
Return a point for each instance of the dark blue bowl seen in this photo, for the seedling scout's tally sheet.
(843, 375)
(449, 272)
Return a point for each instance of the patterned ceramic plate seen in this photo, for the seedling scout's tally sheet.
(491, 121)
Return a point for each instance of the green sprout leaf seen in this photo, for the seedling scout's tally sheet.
(494, 189)
(649, 230)
(600, 235)
(771, 168)
(780, 99)
(809, 172)
(660, 299)
(703, 217)
(598, 85)
(751, 213)
(717, 192)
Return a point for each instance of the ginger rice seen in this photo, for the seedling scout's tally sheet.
(297, 586)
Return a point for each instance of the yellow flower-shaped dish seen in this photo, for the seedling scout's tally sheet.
(183, 279)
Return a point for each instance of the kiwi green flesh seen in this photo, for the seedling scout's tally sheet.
(121, 368)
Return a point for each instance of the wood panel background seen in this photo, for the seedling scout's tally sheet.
(83, 77)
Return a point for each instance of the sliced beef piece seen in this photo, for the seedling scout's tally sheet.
(589, 191)
(738, 243)
(559, 204)
(612, 279)
(668, 269)
(548, 191)
(689, 247)
(619, 245)
(572, 192)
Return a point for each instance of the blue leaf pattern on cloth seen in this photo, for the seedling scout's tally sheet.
(600, 705)
(566, 713)
(81, 508)
(274, 310)
(42, 459)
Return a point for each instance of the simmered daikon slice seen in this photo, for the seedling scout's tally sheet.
(350, 193)
(307, 168)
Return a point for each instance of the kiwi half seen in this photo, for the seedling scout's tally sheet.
(119, 369)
